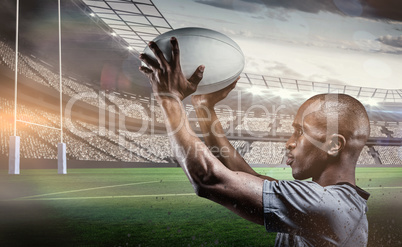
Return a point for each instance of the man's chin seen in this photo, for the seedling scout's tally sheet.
(298, 175)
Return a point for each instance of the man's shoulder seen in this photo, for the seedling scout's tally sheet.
(289, 185)
(301, 190)
(296, 185)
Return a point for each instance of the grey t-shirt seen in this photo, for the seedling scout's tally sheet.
(304, 213)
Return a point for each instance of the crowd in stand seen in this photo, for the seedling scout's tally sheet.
(265, 153)
(241, 146)
(33, 145)
(157, 145)
(40, 73)
(130, 108)
(157, 113)
(285, 125)
(365, 157)
(87, 142)
(390, 154)
(105, 145)
(376, 130)
(396, 130)
(255, 124)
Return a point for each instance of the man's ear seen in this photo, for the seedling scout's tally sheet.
(335, 144)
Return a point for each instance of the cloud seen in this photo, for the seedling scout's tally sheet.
(387, 10)
(391, 40)
(272, 68)
(239, 5)
(256, 67)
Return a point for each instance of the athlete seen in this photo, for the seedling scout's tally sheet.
(330, 132)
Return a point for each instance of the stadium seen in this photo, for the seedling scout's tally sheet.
(75, 80)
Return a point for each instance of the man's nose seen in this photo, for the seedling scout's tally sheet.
(291, 144)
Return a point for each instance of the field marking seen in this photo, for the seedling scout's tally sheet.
(377, 188)
(102, 197)
(136, 196)
(34, 197)
(80, 190)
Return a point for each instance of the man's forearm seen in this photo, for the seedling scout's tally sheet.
(191, 153)
(216, 140)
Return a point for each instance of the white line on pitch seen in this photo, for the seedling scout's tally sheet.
(378, 188)
(80, 190)
(103, 197)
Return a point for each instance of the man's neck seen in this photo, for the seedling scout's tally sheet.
(336, 173)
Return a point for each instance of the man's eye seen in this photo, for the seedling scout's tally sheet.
(298, 132)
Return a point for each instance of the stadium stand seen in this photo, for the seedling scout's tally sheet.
(396, 129)
(100, 141)
(33, 146)
(150, 145)
(365, 157)
(265, 153)
(138, 153)
(256, 124)
(226, 119)
(390, 154)
(104, 145)
(38, 72)
(130, 108)
(157, 113)
(242, 147)
(285, 124)
(376, 129)
(123, 145)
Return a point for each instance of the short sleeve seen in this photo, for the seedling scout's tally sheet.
(293, 206)
(319, 215)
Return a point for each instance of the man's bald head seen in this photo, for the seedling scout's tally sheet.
(339, 113)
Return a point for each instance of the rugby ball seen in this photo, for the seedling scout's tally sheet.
(222, 57)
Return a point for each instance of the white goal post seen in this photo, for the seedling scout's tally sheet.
(14, 144)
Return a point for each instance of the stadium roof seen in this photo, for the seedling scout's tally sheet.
(138, 22)
(373, 95)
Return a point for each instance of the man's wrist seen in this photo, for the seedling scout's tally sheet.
(167, 100)
(170, 104)
(165, 97)
(201, 103)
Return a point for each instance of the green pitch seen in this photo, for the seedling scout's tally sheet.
(155, 207)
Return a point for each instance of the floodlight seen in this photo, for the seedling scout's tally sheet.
(283, 93)
(371, 101)
(255, 90)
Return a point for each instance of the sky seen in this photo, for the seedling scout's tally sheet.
(348, 42)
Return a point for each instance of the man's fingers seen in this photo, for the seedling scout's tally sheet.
(149, 61)
(158, 54)
(197, 75)
(146, 71)
(175, 52)
(233, 85)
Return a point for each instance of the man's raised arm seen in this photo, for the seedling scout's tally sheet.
(213, 133)
(238, 191)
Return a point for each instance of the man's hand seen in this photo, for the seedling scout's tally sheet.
(166, 77)
(210, 100)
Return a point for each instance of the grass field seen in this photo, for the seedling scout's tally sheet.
(155, 207)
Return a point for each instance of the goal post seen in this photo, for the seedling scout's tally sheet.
(14, 155)
(61, 159)
(14, 144)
